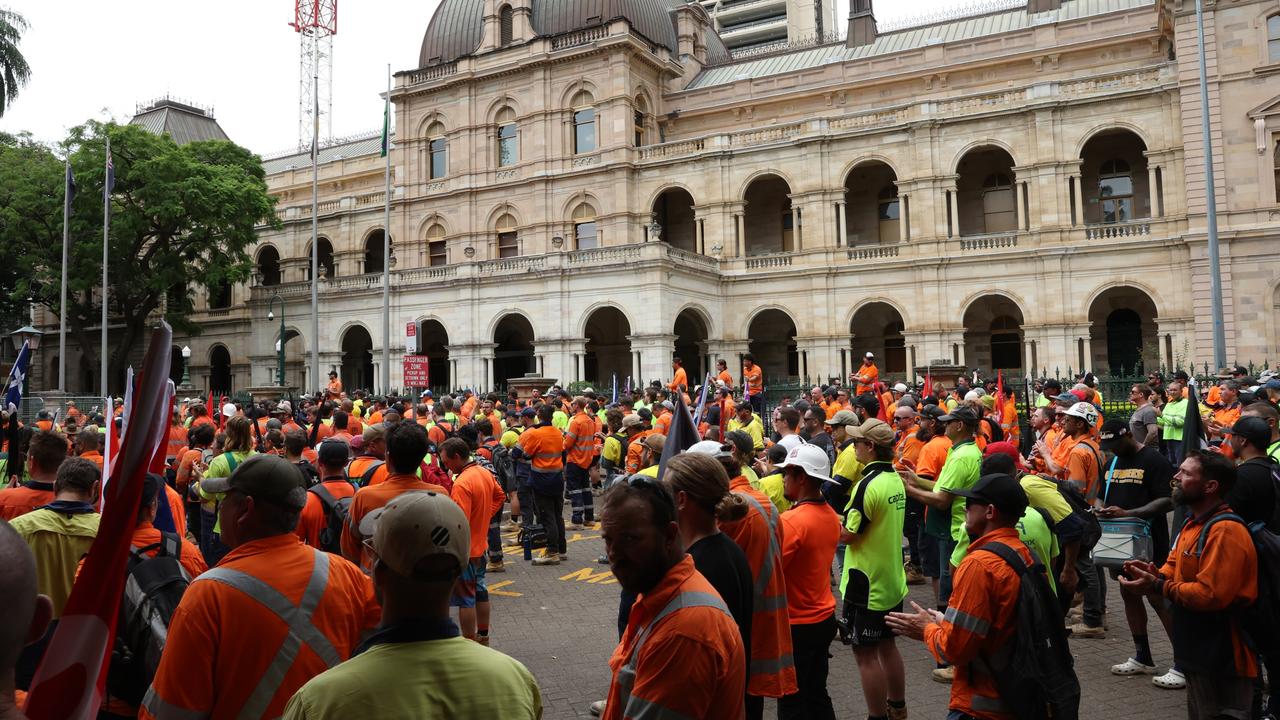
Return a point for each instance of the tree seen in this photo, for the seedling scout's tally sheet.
(14, 71)
(181, 217)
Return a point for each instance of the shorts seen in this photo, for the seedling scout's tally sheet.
(867, 627)
(470, 588)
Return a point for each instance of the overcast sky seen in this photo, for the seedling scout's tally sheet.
(95, 59)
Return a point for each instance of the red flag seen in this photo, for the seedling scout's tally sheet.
(928, 384)
(158, 457)
(71, 679)
(222, 417)
(1000, 389)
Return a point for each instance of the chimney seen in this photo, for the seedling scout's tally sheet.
(862, 24)
(1039, 6)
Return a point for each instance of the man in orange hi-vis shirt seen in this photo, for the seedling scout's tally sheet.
(753, 383)
(679, 378)
(681, 654)
(868, 375)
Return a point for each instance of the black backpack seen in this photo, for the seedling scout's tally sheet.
(310, 476)
(1081, 524)
(1261, 620)
(335, 513)
(1034, 672)
(153, 588)
(504, 468)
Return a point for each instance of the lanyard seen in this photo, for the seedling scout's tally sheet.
(1107, 490)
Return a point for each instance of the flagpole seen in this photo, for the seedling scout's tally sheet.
(386, 244)
(1211, 206)
(62, 306)
(106, 233)
(315, 220)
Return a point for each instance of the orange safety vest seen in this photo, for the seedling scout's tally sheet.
(759, 534)
(681, 655)
(580, 440)
(544, 444)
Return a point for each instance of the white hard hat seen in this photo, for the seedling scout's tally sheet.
(228, 409)
(708, 447)
(810, 458)
(870, 354)
(1084, 411)
(900, 387)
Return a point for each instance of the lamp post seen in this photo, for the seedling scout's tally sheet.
(186, 388)
(280, 342)
(27, 334)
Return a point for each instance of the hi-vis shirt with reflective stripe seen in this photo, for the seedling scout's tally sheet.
(772, 670)
(681, 656)
(544, 445)
(240, 646)
(580, 440)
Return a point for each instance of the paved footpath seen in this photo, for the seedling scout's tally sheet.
(561, 622)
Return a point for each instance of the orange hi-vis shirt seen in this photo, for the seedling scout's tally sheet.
(1224, 577)
(981, 618)
(753, 379)
(810, 532)
(834, 407)
(725, 378)
(932, 456)
(635, 451)
(760, 535)
(250, 632)
(313, 519)
(358, 467)
(681, 655)
(908, 447)
(870, 375)
(479, 496)
(22, 499)
(177, 441)
(544, 445)
(368, 499)
(469, 407)
(679, 381)
(662, 423)
(1083, 465)
(1009, 421)
(580, 440)
(176, 509)
(94, 457)
(183, 479)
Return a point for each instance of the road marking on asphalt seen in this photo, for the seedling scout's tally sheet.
(603, 577)
(494, 589)
(574, 537)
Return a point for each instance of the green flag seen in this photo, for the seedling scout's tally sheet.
(386, 128)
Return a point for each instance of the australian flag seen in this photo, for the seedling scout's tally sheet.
(17, 377)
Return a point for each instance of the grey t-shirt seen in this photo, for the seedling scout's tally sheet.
(1142, 417)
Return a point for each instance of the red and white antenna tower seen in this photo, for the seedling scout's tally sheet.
(316, 22)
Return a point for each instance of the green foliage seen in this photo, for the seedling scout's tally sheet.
(14, 71)
(181, 216)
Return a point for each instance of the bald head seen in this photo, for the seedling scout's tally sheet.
(26, 613)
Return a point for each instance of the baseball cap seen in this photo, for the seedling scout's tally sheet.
(1272, 384)
(1004, 447)
(875, 430)
(376, 431)
(228, 410)
(1067, 397)
(1253, 429)
(284, 407)
(932, 411)
(741, 441)
(269, 478)
(333, 373)
(417, 525)
(1000, 490)
(1084, 411)
(963, 414)
(655, 442)
(1112, 433)
(988, 401)
(810, 458)
(528, 412)
(333, 453)
(900, 387)
(632, 421)
(645, 414)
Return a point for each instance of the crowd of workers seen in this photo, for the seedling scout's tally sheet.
(317, 547)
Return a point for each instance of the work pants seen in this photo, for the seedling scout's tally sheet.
(809, 648)
(495, 537)
(551, 514)
(1092, 588)
(578, 488)
(210, 542)
(911, 525)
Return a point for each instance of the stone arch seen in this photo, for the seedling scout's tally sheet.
(1115, 185)
(702, 314)
(877, 326)
(756, 175)
(599, 305)
(371, 245)
(431, 118)
(220, 378)
(433, 342)
(577, 199)
(267, 263)
(325, 248)
(434, 218)
(513, 354)
(985, 186)
(672, 209)
(993, 336)
(496, 106)
(356, 370)
(867, 159)
(768, 216)
(607, 349)
(872, 211)
(978, 144)
(771, 334)
(575, 87)
(506, 208)
(692, 329)
(1123, 335)
(1108, 126)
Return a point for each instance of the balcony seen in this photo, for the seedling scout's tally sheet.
(988, 241)
(1116, 231)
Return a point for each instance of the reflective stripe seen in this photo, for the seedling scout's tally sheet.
(770, 604)
(937, 650)
(298, 618)
(965, 621)
(982, 703)
(546, 455)
(688, 599)
(162, 710)
(641, 709)
(766, 567)
(768, 666)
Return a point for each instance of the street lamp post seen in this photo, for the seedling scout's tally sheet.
(27, 334)
(186, 369)
(280, 342)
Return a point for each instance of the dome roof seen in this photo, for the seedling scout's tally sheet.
(455, 29)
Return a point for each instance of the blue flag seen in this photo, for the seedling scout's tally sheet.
(1193, 434)
(17, 378)
(71, 184)
(681, 435)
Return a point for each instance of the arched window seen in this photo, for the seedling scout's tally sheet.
(438, 149)
(220, 296)
(638, 121)
(998, 203)
(1273, 38)
(325, 258)
(584, 123)
(508, 139)
(586, 235)
(508, 239)
(506, 26)
(1006, 343)
(1115, 190)
(437, 253)
(888, 212)
(269, 266)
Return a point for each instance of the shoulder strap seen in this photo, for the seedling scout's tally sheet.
(231, 461)
(326, 497)
(170, 544)
(1204, 531)
(1008, 554)
(367, 475)
(1106, 491)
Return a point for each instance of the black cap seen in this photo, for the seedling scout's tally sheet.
(1254, 430)
(1112, 433)
(333, 453)
(1239, 370)
(963, 413)
(741, 441)
(932, 411)
(1000, 490)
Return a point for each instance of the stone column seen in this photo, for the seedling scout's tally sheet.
(700, 235)
(739, 241)
(840, 223)
(904, 217)
(953, 202)
(797, 233)
(1153, 191)
(1077, 201)
(1019, 196)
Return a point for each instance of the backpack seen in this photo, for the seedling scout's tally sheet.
(336, 511)
(1259, 621)
(366, 476)
(1275, 485)
(153, 588)
(310, 476)
(1081, 521)
(1033, 672)
(997, 432)
(433, 473)
(504, 467)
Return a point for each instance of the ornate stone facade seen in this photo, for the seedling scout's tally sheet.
(1020, 190)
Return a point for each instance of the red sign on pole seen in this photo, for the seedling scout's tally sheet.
(415, 371)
